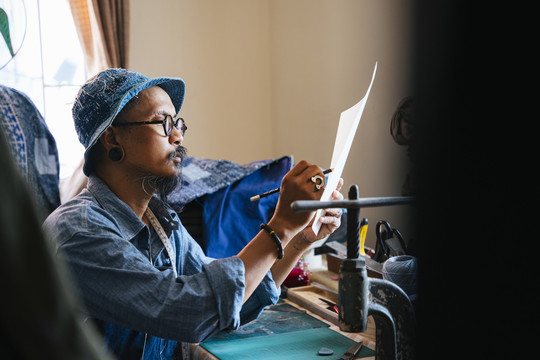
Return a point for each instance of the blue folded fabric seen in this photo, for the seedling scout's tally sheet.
(230, 219)
(33, 148)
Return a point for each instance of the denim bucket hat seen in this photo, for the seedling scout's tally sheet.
(103, 96)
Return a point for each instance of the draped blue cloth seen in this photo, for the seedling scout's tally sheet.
(230, 219)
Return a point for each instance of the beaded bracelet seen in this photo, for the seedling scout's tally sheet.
(274, 237)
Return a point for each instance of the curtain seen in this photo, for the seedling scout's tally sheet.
(103, 29)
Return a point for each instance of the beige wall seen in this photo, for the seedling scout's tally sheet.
(267, 78)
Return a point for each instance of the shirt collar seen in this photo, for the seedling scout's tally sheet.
(128, 222)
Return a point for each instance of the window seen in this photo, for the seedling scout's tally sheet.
(49, 68)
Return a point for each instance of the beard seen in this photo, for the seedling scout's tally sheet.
(164, 185)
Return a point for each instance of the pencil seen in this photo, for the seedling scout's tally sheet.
(270, 192)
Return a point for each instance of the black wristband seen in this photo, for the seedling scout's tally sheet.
(274, 237)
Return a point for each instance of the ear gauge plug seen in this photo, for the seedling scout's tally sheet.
(116, 154)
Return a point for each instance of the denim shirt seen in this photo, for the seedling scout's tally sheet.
(107, 248)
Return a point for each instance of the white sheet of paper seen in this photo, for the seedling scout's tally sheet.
(348, 123)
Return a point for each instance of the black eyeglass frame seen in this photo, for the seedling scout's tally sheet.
(163, 122)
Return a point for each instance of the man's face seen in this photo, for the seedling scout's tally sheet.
(148, 151)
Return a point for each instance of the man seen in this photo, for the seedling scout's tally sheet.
(144, 280)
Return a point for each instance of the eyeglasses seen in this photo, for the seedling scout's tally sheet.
(168, 124)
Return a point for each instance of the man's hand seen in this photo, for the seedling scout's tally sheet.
(330, 219)
(296, 185)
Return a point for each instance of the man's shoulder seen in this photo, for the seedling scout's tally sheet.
(82, 214)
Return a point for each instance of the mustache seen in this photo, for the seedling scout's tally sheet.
(180, 151)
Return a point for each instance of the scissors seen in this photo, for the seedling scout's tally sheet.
(351, 353)
(386, 245)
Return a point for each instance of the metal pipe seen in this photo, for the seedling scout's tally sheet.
(310, 205)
